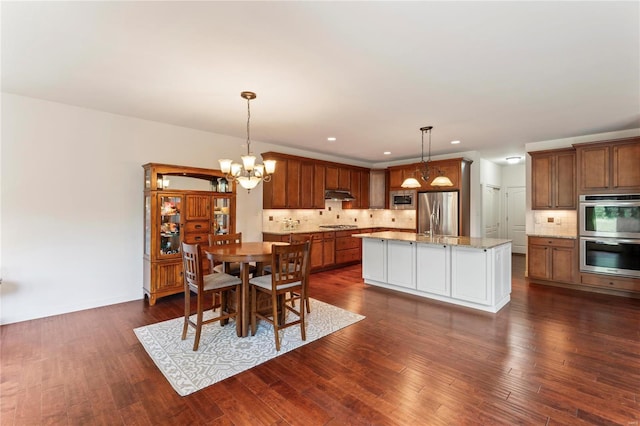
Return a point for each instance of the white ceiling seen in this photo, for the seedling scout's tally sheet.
(495, 75)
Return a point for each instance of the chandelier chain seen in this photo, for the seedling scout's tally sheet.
(248, 127)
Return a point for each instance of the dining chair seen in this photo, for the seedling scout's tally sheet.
(289, 266)
(232, 268)
(301, 238)
(298, 238)
(213, 284)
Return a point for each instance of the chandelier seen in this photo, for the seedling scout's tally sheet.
(248, 174)
(425, 169)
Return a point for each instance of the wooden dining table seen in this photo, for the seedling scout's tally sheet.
(243, 253)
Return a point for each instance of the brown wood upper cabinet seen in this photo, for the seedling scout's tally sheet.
(331, 177)
(319, 172)
(398, 174)
(283, 191)
(553, 179)
(452, 168)
(306, 183)
(300, 183)
(338, 177)
(359, 190)
(609, 166)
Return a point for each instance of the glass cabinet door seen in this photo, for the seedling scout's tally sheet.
(223, 209)
(147, 224)
(169, 227)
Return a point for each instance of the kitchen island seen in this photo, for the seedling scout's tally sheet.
(471, 272)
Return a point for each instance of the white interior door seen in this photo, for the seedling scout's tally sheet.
(515, 218)
(490, 211)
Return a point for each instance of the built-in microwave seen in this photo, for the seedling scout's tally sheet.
(402, 200)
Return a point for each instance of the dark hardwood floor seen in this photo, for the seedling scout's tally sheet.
(552, 356)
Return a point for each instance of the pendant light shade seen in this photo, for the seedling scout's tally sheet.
(442, 181)
(425, 168)
(411, 183)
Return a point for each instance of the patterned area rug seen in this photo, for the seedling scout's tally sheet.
(222, 354)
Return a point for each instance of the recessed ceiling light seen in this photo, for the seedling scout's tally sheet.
(455, 142)
(513, 160)
(387, 153)
(331, 139)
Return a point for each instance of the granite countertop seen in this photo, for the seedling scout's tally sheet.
(481, 243)
(307, 230)
(570, 237)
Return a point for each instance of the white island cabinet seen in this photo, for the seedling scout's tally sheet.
(481, 276)
(374, 259)
(401, 263)
(434, 268)
(472, 272)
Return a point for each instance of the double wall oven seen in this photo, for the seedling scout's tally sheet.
(610, 234)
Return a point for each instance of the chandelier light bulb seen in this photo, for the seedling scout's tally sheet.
(270, 166)
(248, 161)
(225, 165)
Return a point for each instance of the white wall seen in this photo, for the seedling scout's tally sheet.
(72, 202)
(514, 175)
(490, 173)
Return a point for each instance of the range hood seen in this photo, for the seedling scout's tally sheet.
(338, 195)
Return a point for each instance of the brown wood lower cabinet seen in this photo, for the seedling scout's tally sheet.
(322, 254)
(317, 251)
(622, 284)
(347, 247)
(552, 259)
(330, 249)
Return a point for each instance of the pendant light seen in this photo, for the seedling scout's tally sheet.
(248, 174)
(425, 168)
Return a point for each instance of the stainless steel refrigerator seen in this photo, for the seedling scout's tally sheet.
(438, 213)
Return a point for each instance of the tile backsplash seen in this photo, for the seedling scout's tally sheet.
(555, 222)
(275, 220)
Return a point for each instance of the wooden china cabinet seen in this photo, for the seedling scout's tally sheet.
(181, 204)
